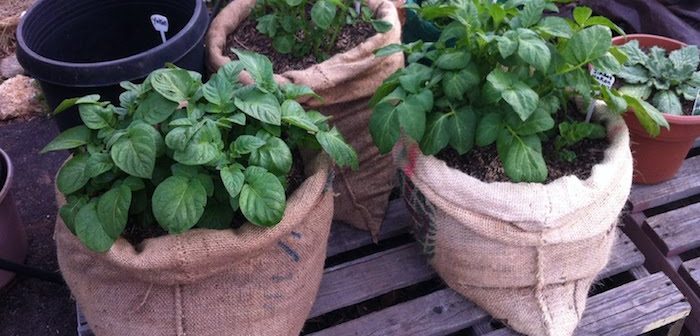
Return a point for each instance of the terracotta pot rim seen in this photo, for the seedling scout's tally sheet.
(671, 118)
(7, 182)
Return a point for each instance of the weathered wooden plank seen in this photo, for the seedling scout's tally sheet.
(686, 183)
(678, 231)
(344, 286)
(629, 310)
(693, 267)
(438, 313)
(344, 237)
(371, 276)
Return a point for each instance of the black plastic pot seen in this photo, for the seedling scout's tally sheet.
(80, 47)
(13, 241)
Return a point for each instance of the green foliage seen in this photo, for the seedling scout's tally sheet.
(199, 152)
(671, 79)
(498, 75)
(303, 27)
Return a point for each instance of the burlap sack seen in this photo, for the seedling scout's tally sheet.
(527, 253)
(346, 82)
(252, 281)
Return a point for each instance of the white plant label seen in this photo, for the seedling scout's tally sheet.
(696, 106)
(160, 24)
(603, 78)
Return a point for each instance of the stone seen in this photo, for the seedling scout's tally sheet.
(10, 67)
(20, 97)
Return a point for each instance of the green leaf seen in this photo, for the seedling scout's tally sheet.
(245, 144)
(173, 84)
(89, 229)
(218, 90)
(685, 61)
(113, 210)
(293, 3)
(607, 63)
(554, 26)
(642, 91)
(73, 175)
(267, 25)
(456, 84)
(412, 112)
(69, 211)
(68, 103)
(581, 15)
(384, 126)
(488, 128)
(524, 161)
(658, 64)
(230, 71)
(614, 100)
(323, 13)
(178, 203)
(135, 152)
(69, 139)
(284, 43)
(587, 45)
(462, 129)
(603, 21)
(293, 91)
(381, 26)
(667, 102)
(262, 198)
(453, 60)
(634, 74)
(96, 116)
(293, 114)
(522, 99)
(635, 55)
(415, 76)
(531, 12)
(388, 50)
(134, 183)
(259, 67)
(649, 117)
(688, 92)
(155, 109)
(533, 50)
(274, 156)
(334, 144)
(262, 106)
(232, 177)
(506, 45)
(217, 216)
(437, 134)
(203, 147)
(98, 163)
(538, 122)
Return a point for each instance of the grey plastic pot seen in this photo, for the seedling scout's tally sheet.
(13, 241)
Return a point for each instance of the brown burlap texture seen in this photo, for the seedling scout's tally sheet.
(346, 82)
(252, 281)
(525, 252)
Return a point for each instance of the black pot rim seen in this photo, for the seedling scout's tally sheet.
(5, 181)
(26, 54)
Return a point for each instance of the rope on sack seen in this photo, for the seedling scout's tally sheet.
(540, 282)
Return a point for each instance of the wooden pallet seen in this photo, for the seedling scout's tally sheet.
(389, 289)
(665, 224)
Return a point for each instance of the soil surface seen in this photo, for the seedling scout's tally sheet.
(9, 9)
(29, 306)
(483, 162)
(246, 37)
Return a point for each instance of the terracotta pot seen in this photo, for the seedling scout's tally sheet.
(13, 242)
(658, 159)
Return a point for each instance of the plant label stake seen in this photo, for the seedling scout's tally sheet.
(604, 79)
(696, 106)
(160, 23)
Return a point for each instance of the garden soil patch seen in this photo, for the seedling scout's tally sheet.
(31, 306)
(247, 37)
(9, 9)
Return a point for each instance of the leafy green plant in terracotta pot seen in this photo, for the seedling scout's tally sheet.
(326, 45)
(189, 192)
(514, 160)
(666, 73)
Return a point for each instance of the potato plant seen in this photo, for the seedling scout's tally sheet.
(184, 154)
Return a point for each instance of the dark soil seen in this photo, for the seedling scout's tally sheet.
(29, 306)
(483, 162)
(246, 37)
